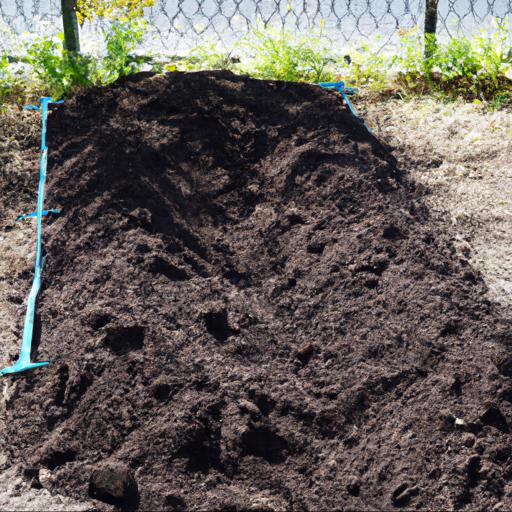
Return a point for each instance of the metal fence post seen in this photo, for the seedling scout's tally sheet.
(70, 24)
(430, 28)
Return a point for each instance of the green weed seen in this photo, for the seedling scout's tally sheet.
(207, 55)
(460, 67)
(279, 54)
(122, 38)
(60, 72)
(475, 68)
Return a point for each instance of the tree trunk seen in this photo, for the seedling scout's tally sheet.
(70, 24)
(430, 27)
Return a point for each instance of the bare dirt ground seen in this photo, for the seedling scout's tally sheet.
(463, 154)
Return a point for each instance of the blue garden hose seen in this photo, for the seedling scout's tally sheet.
(23, 363)
(345, 91)
(44, 213)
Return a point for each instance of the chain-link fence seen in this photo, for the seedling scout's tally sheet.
(178, 24)
(342, 21)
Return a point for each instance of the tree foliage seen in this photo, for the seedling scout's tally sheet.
(121, 10)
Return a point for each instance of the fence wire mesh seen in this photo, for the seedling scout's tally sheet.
(179, 24)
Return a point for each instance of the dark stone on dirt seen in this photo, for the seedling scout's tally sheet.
(190, 201)
(305, 352)
(403, 494)
(31, 475)
(114, 485)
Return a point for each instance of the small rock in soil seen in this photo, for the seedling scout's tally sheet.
(114, 484)
(305, 352)
(468, 439)
(402, 494)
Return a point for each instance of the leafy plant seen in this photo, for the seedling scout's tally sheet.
(207, 55)
(409, 56)
(59, 70)
(474, 68)
(5, 78)
(368, 67)
(121, 40)
(493, 50)
(477, 68)
(279, 54)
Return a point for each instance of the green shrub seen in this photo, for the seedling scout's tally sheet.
(14, 87)
(278, 54)
(5, 79)
(121, 39)
(477, 68)
(473, 68)
(368, 67)
(204, 56)
(59, 71)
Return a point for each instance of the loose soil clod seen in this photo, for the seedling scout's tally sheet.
(247, 306)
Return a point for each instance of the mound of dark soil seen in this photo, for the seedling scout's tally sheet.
(247, 307)
(19, 152)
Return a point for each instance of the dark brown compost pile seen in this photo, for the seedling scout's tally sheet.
(248, 307)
